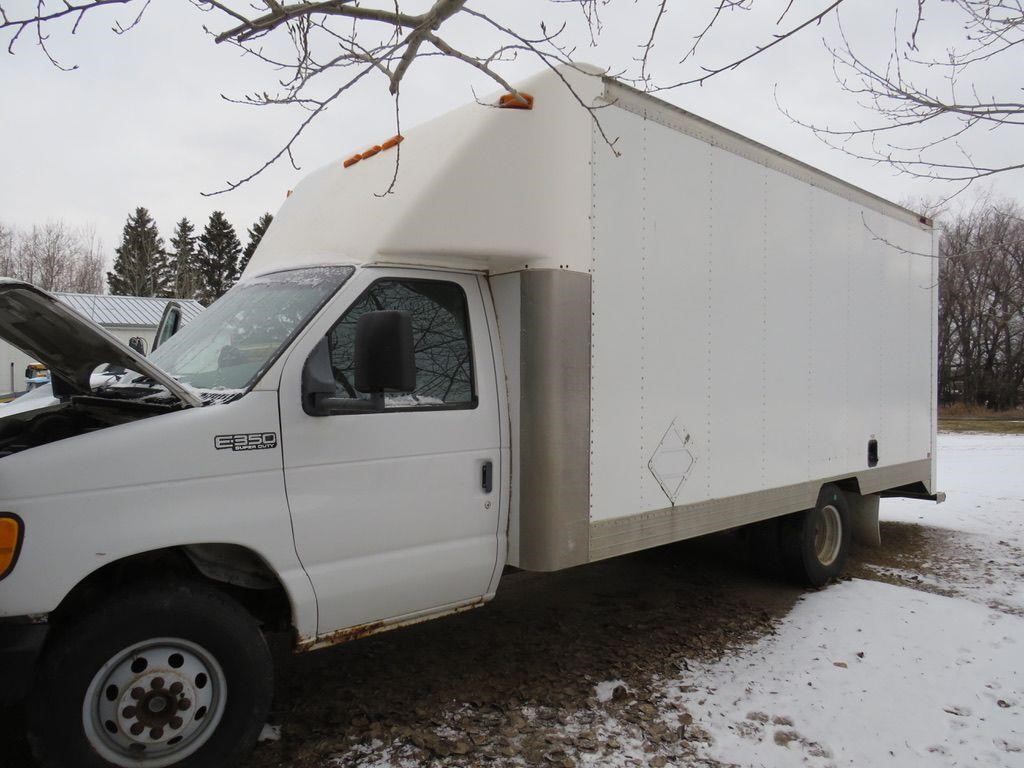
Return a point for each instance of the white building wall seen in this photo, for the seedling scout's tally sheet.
(12, 368)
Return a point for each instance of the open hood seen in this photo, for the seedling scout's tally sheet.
(69, 344)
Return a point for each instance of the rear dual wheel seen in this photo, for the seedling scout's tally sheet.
(168, 675)
(809, 547)
(815, 542)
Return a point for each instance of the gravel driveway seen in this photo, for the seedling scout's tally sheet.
(515, 681)
(501, 684)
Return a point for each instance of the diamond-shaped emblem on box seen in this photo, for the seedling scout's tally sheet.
(672, 461)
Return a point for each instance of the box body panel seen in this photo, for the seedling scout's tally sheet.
(755, 325)
(740, 328)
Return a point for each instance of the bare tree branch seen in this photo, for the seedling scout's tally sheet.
(917, 129)
(332, 44)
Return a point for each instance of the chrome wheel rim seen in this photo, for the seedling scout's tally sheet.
(154, 703)
(828, 534)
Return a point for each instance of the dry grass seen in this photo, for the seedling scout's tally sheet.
(992, 426)
(977, 412)
(977, 418)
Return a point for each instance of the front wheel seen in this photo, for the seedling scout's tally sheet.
(815, 542)
(176, 675)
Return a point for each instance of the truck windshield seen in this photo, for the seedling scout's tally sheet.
(230, 344)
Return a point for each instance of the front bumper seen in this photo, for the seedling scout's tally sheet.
(21, 642)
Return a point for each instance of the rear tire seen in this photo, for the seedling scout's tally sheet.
(815, 542)
(164, 675)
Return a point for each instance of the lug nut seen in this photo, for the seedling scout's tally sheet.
(137, 693)
(137, 729)
(128, 712)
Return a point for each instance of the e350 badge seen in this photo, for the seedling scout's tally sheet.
(252, 441)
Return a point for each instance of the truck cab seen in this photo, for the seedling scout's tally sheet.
(263, 447)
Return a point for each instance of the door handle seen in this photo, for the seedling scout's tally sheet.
(487, 477)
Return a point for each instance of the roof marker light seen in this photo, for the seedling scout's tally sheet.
(394, 141)
(518, 100)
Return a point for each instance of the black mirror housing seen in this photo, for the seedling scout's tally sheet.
(384, 357)
(317, 379)
(384, 362)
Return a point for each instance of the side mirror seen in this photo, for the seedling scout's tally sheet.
(170, 324)
(138, 344)
(384, 362)
(318, 387)
(384, 359)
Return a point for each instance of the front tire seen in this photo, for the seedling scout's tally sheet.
(165, 675)
(815, 542)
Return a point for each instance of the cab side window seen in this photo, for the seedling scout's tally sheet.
(440, 323)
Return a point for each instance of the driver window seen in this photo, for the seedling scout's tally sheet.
(440, 323)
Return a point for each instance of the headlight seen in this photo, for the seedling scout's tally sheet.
(12, 531)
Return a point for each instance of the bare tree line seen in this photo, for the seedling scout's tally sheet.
(981, 307)
(53, 256)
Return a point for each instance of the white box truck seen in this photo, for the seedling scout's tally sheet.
(532, 353)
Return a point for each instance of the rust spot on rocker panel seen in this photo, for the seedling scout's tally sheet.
(374, 627)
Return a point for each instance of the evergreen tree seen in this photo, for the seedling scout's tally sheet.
(256, 233)
(217, 260)
(183, 265)
(140, 266)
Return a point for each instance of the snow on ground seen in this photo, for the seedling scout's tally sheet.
(869, 674)
(983, 477)
(865, 673)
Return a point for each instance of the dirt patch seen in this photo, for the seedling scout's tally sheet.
(515, 680)
(942, 561)
(908, 552)
(514, 683)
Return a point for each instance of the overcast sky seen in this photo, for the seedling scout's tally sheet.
(142, 121)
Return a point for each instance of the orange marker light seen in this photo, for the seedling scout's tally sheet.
(516, 101)
(11, 533)
(394, 141)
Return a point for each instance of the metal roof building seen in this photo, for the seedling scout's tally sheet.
(125, 317)
(126, 311)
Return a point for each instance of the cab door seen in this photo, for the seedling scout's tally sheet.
(396, 512)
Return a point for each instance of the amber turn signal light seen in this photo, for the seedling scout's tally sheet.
(516, 101)
(11, 534)
(394, 141)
